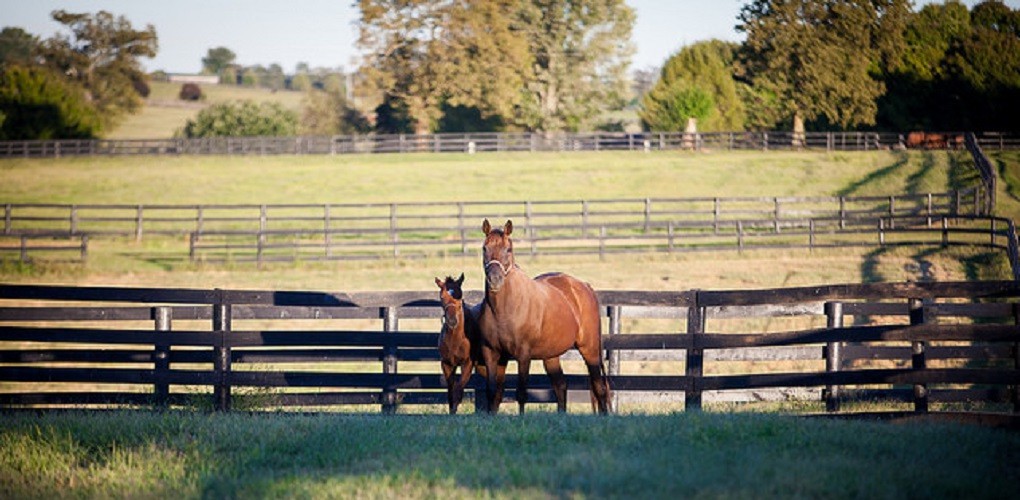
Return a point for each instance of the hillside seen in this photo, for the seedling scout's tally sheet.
(164, 113)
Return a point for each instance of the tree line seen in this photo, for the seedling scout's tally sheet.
(561, 65)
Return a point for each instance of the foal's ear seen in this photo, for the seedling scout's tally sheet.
(486, 227)
(439, 283)
(508, 228)
(460, 281)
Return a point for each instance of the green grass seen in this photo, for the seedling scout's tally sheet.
(127, 454)
(461, 177)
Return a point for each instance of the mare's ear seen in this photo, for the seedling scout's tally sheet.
(460, 281)
(439, 283)
(486, 227)
(508, 228)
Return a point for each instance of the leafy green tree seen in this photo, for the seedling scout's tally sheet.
(17, 46)
(37, 103)
(820, 59)
(580, 50)
(329, 113)
(242, 119)
(217, 60)
(959, 70)
(102, 55)
(702, 68)
(421, 55)
(667, 108)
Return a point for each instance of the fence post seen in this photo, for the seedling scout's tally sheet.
(776, 214)
(881, 232)
(389, 392)
(842, 212)
(7, 218)
(695, 355)
(222, 319)
(648, 213)
(602, 243)
(919, 316)
(833, 353)
(393, 227)
(945, 231)
(811, 235)
(139, 219)
(163, 315)
(74, 219)
(740, 237)
(669, 233)
(460, 226)
(584, 218)
(613, 355)
(715, 215)
(24, 248)
(84, 247)
(327, 224)
(1016, 359)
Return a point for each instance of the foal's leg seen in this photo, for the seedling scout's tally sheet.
(465, 375)
(559, 384)
(448, 376)
(523, 371)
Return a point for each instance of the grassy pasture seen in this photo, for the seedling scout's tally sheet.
(539, 455)
(164, 113)
(504, 177)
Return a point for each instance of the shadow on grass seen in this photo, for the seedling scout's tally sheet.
(875, 177)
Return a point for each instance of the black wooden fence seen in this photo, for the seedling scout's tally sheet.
(494, 142)
(922, 343)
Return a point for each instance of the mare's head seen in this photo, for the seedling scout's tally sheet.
(451, 295)
(497, 254)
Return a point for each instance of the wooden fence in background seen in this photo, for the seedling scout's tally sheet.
(496, 142)
(100, 347)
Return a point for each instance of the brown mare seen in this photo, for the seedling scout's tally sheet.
(541, 318)
(459, 343)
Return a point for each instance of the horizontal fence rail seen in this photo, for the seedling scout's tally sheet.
(918, 343)
(500, 142)
(139, 221)
(683, 236)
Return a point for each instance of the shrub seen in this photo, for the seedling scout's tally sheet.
(242, 119)
(39, 104)
(190, 92)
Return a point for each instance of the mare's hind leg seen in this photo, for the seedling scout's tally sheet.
(523, 371)
(559, 384)
(599, 383)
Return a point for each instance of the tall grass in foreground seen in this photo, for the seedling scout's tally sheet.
(132, 454)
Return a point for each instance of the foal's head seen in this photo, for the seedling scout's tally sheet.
(497, 254)
(451, 295)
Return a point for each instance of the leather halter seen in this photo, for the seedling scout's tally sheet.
(506, 270)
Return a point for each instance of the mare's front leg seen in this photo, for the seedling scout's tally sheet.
(559, 383)
(495, 373)
(523, 371)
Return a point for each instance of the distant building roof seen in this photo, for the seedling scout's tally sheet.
(200, 79)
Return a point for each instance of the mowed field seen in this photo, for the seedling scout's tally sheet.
(499, 177)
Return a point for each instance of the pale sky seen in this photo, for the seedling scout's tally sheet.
(321, 32)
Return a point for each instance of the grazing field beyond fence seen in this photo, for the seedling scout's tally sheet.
(503, 142)
(925, 344)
